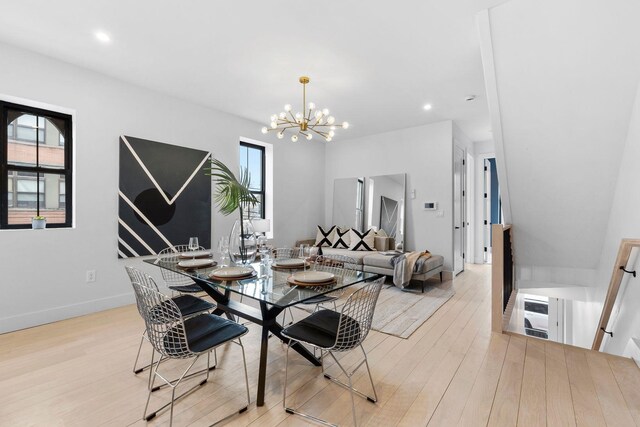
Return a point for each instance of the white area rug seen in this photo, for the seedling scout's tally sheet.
(400, 313)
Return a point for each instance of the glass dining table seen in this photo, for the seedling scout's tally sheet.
(270, 292)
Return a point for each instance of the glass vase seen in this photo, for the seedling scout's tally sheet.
(242, 243)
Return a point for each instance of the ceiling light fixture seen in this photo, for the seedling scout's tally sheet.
(102, 36)
(427, 107)
(304, 125)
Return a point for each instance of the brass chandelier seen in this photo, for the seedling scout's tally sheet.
(304, 124)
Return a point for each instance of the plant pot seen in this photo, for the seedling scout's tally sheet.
(38, 224)
(242, 243)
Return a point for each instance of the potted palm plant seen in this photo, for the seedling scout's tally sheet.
(233, 194)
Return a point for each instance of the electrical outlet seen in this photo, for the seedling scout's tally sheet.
(91, 276)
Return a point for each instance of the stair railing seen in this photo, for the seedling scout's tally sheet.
(619, 270)
(503, 289)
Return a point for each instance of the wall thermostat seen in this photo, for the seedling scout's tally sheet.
(430, 206)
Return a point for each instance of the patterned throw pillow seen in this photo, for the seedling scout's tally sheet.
(341, 240)
(362, 241)
(325, 238)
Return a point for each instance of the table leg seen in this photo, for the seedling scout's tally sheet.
(269, 324)
(262, 371)
(222, 300)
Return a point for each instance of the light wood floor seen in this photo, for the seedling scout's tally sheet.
(451, 371)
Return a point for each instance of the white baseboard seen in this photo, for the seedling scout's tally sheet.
(37, 318)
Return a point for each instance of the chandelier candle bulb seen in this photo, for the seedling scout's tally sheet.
(264, 129)
(294, 138)
(287, 107)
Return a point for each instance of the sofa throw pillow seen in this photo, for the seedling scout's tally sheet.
(341, 240)
(361, 241)
(325, 238)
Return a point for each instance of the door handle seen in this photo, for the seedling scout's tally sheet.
(457, 228)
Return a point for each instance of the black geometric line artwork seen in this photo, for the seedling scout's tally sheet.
(388, 215)
(164, 197)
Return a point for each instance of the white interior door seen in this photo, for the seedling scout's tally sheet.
(556, 319)
(469, 198)
(487, 211)
(458, 210)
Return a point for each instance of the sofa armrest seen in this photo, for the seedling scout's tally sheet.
(309, 242)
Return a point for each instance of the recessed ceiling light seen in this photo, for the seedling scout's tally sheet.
(102, 36)
(427, 107)
(470, 98)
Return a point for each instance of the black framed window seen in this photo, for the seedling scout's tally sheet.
(252, 157)
(36, 166)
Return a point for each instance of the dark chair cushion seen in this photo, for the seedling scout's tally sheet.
(205, 332)
(321, 328)
(187, 289)
(188, 304)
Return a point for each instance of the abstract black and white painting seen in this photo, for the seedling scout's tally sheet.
(389, 215)
(164, 197)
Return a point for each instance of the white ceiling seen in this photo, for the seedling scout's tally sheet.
(374, 64)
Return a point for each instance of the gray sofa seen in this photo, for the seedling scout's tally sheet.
(376, 262)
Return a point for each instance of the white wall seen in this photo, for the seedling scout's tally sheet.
(624, 222)
(424, 153)
(43, 272)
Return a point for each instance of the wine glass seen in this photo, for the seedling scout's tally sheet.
(303, 251)
(223, 248)
(262, 247)
(193, 245)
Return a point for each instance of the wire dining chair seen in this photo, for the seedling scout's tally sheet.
(331, 332)
(188, 305)
(339, 265)
(175, 281)
(175, 337)
(284, 253)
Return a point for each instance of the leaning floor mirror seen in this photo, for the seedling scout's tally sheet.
(348, 203)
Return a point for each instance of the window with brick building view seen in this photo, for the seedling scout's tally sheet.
(36, 167)
(252, 158)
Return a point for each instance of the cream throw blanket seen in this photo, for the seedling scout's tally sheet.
(404, 266)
